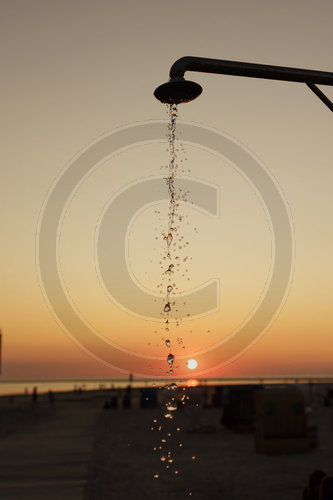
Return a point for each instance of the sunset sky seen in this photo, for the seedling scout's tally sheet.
(76, 73)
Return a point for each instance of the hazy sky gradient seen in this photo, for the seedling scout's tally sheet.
(74, 71)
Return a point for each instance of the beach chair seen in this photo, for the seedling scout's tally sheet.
(238, 408)
(281, 422)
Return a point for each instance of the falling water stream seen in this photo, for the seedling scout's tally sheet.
(173, 205)
(175, 395)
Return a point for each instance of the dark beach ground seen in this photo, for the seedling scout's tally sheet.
(226, 464)
(45, 448)
(77, 450)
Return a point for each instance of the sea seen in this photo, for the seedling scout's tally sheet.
(8, 387)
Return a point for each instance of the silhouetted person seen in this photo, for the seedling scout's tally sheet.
(114, 402)
(127, 401)
(50, 395)
(227, 416)
(34, 395)
(106, 405)
(311, 492)
(328, 399)
(113, 399)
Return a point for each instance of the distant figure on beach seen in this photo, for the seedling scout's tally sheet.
(113, 399)
(227, 417)
(130, 378)
(34, 395)
(127, 401)
(311, 492)
(50, 395)
(328, 399)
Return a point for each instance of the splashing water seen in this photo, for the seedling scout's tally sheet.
(173, 243)
(170, 182)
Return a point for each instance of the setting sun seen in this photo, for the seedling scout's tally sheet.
(192, 364)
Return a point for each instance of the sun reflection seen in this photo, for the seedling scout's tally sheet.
(192, 383)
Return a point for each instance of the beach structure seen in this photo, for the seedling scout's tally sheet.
(281, 422)
(238, 407)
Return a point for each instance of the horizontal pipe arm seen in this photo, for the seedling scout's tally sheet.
(219, 66)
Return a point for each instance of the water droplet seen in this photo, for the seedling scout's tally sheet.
(169, 239)
(156, 476)
(170, 359)
(167, 343)
(172, 406)
(169, 288)
(163, 458)
(167, 307)
(170, 269)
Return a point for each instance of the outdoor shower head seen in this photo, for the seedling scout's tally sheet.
(177, 91)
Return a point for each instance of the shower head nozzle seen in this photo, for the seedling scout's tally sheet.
(177, 91)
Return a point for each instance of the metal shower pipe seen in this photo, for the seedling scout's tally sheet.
(251, 70)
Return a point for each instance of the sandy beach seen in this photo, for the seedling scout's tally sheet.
(226, 464)
(75, 449)
(45, 448)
